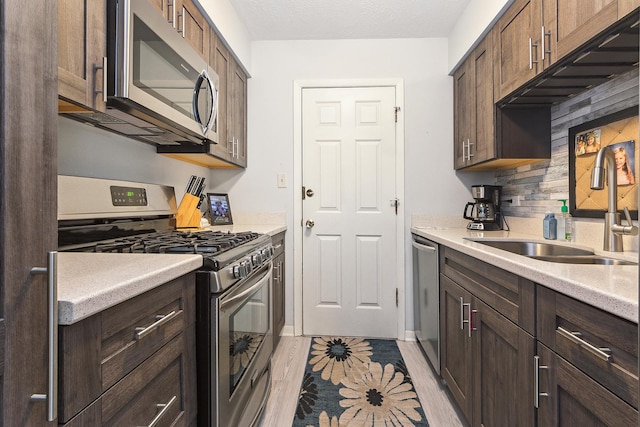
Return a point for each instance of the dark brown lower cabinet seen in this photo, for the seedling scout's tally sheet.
(132, 364)
(278, 287)
(455, 352)
(569, 397)
(503, 366)
(514, 353)
(487, 360)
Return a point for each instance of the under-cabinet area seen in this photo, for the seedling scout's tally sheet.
(538, 54)
(522, 345)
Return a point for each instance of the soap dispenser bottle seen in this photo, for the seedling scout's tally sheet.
(549, 226)
(565, 223)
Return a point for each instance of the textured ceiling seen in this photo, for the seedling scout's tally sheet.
(348, 19)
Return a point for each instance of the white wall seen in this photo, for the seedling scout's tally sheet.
(87, 151)
(431, 186)
(474, 22)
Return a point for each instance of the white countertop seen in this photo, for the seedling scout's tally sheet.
(270, 229)
(91, 282)
(613, 288)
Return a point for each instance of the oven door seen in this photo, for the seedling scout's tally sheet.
(245, 344)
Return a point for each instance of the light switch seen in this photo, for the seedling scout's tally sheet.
(282, 180)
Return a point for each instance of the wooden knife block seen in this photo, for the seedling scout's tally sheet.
(188, 215)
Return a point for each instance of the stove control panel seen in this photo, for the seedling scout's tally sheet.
(128, 196)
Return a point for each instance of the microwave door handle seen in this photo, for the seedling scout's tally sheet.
(214, 106)
(196, 91)
(213, 101)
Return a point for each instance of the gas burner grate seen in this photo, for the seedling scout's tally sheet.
(204, 242)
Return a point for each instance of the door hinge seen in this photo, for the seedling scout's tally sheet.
(304, 192)
(397, 297)
(396, 110)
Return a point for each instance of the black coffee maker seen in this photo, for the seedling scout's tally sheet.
(484, 213)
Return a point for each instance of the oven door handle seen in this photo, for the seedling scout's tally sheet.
(246, 292)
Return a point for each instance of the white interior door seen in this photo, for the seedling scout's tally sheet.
(349, 243)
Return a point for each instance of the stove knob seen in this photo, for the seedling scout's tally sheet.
(247, 267)
(256, 259)
(239, 272)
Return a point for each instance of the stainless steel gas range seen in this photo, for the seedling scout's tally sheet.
(233, 287)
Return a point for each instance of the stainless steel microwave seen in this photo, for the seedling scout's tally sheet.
(161, 88)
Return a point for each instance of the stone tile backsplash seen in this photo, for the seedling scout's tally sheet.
(541, 184)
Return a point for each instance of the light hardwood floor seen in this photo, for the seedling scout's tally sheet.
(288, 365)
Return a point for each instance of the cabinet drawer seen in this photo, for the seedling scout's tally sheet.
(97, 352)
(578, 331)
(507, 293)
(135, 329)
(152, 391)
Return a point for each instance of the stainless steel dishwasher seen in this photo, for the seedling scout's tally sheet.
(426, 298)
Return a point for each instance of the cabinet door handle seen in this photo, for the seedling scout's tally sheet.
(603, 353)
(52, 332)
(469, 144)
(181, 16)
(531, 61)
(172, 21)
(464, 157)
(462, 320)
(161, 320)
(536, 381)
(104, 79)
(472, 326)
(543, 47)
(164, 407)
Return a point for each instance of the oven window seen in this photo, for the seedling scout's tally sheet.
(248, 327)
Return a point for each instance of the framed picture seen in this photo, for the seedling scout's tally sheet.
(618, 132)
(219, 209)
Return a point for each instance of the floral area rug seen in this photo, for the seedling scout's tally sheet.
(357, 382)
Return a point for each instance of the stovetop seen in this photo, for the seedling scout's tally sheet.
(217, 248)
(188, 242)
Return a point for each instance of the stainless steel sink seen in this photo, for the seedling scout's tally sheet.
(552, 252)
(584, 259)
(531, 249)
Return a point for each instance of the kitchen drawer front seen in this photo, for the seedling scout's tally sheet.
(96, 352)
(560, 317)
(141, 396)
(507, 293)
(152, 391)
(134, 330)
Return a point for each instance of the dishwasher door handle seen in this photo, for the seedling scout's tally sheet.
(423, 247)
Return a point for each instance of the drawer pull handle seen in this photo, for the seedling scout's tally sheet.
(164, 407)
(603, 353)
(161, 320)
(536, 381)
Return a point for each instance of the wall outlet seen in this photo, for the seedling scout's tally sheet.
(282, 180)
(515, 201)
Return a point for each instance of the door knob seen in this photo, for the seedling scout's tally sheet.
(310, 223)
(310, 193)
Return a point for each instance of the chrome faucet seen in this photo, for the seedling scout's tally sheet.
(613, 229)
